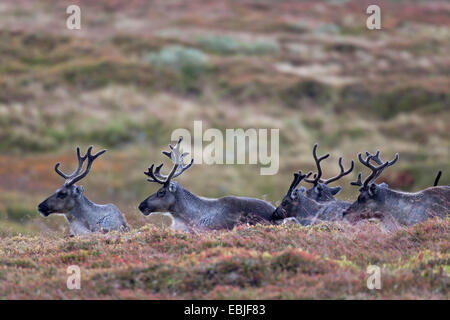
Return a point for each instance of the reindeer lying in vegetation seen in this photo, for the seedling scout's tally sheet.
(395, 207)
(195, 212)
(83, 216)
(316, 203)
(297, 207)
(320, 190)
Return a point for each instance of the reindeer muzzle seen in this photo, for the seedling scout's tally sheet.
(144, 208)
(278, 214)
(43, 209)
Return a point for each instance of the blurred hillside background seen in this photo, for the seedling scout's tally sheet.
(139, 69)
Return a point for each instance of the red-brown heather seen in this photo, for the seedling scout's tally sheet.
(327, 261)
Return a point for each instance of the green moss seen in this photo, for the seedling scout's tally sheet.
(394, 102)
(79, 256)
(95, 74)
(229, 45)
(20, 212)
(179, 68)
(311, 90)
(9, 228)
(388, 104)
(114, 133)
(424, 174)
(177, 57)
(19, 263)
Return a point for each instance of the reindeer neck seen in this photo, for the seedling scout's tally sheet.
(313, 204)
(85, 209)
(309, 207)
(191, 208)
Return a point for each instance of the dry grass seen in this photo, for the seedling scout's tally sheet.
(327, 261)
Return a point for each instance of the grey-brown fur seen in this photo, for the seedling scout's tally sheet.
(391, 207)
(82, 215)
(296, 204)
(197, 212)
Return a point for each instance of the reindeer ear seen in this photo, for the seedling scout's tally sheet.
(373, 189)
(301, 190)
(334, 191)
(293, 194)
(383, 185)
(172, 187)
(79, 190)
(318, 189)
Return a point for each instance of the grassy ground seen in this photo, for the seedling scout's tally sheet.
(264, 262)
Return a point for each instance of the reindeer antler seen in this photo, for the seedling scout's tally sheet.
(177, 157)
(76, 176)
(369, 156)
(375, 157)
(317, 175)
(358, 181)
(376, 170)
(342, 173)
(438, 177)
(298, 177)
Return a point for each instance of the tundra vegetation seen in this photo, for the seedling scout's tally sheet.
(137, 70)
(327, 261)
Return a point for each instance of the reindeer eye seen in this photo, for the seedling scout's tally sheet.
(61, 194)
(361, 198)
(284, 203)
(161, 193)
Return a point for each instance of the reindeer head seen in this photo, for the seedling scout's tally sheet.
(371, 196)
(65, 198)
(293, 204)
(165, 197)
(320, 190)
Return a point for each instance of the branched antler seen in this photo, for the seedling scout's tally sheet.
(317, 176)
(76, 176)
(358, 181)
(298, 177)
(375, 157)
(151, 175)
(342, 173)
(177, 157)
(376, 170)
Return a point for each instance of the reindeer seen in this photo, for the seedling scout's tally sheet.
(297, 207)
(83, 215)
(197, 213)
(320, 191)
(394, 207)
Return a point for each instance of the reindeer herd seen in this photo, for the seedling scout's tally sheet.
(300, 206)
